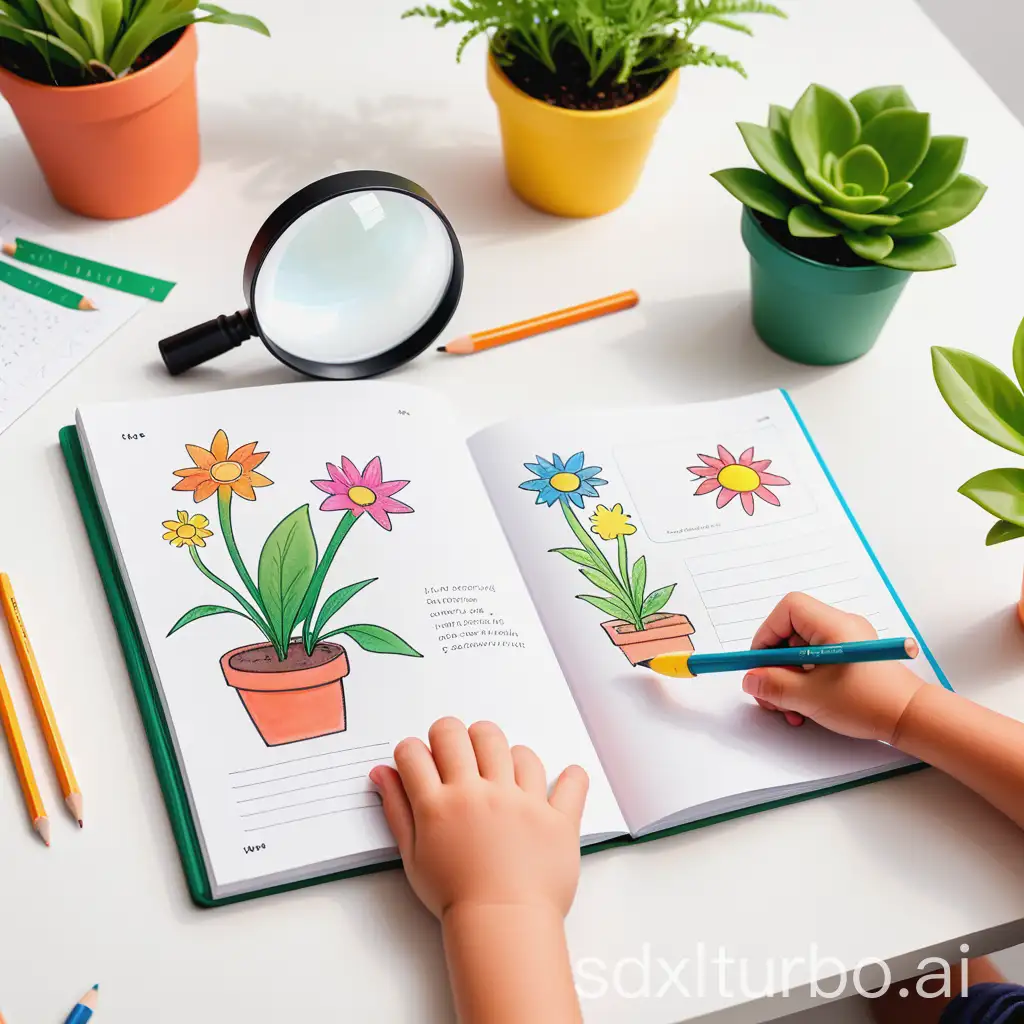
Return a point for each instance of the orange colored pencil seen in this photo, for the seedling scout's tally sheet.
(40, 699)
(22, 765)
(539, 324)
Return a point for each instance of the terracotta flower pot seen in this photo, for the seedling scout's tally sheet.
(297, 699)
(666, 633)
(116, 149)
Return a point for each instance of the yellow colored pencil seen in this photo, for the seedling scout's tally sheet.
(22, 765)
(40, 699)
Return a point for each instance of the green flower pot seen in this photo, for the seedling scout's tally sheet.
(812, 312)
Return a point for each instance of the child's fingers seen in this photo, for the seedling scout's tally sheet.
(417, 769)
(791, 717)
(803, 616)
(784, 689)
(492, 754)
(453, 751)
(569, 793)
(397, 808)
(530, 774)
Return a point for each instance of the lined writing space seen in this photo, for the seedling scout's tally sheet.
(312, 786)
(741, 585)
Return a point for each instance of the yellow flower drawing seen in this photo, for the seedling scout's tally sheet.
(187, 531)
(611, 523)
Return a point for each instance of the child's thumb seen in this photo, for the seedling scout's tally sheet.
(786, 688)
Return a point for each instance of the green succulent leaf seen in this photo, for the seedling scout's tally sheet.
(925, 252)
(999, 491)
(1002, 531)
(829, 163)
(946, 209)
(863, 166)
(861, 221)
(66, 34)
(831, 195)
(775, 156)
(778, 119)
(822, 122)
(1018, 354)
(871, 102)
(757, 190)
(981, 396)
(894, 193)
(219, 16)
(901, 138)
(90, 18)
(869, 247)
(809, 222)
(937, 172)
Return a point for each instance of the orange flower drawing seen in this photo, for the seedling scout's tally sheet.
(743, 476)
(215, 468)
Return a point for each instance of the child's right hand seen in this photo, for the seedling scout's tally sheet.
(865, 701)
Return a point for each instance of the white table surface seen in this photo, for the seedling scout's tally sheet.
(892, 870)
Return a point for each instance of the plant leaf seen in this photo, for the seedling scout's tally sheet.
(901, 138)
(894, 193)
(335, 603)
(90, 16)
(219, 16)
(981, 396)
(656, 600)
(609, 606)
(376, 639)
(578, 555)
(1002, 531)
(1018, 354)
(937, 172)
(757, 190)
(775, 156)
(286, 566)
(925, 252)
(809, 222)
(201, 612)
(863, 166)
(999, 491)
(607, 583)
(871, 102)
(111, 14)
(945, 209)
(861, 221)
(869, 247)
(822, 122)
(778, 119)
(51, 40)
(638, 580)
(73, 41)
(832, 196)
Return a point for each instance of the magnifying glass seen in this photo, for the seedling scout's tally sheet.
(353, 275)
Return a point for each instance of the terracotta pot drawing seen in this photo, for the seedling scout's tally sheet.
(299, 698)
(665, 633)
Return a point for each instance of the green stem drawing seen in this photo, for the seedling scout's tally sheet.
(600, 562)
(626, 584)
(250, 611)
(224, 514)
(348, 520)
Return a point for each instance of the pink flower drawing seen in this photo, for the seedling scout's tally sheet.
(743, 476)
(355, 492)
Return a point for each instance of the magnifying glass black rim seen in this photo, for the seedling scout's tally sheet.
(301, 203)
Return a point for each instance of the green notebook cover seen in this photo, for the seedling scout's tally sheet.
(159, 736)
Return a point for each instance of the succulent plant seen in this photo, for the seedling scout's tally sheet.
(865, 171)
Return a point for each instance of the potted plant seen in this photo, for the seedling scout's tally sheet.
(291, 685)
(850, 199)
(638, 627)
(992, 405)
(105, 93)
(582, 87)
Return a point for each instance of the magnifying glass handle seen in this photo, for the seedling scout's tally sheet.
(198, 344)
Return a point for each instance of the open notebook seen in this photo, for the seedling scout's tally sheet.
(311, 572)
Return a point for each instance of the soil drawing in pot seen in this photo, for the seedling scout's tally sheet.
(992, 405)
(292, 683)
(105, 93)
(850, 199)
(581, 87)
(638, 627)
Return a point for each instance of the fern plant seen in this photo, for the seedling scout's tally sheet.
(624, 38)
(104, 38)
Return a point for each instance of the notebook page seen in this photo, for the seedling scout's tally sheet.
(280, 791)
(729, 553)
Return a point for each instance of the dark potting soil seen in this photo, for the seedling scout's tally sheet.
(26, 62)
(263, 659)
(568, 86)
(831, 251)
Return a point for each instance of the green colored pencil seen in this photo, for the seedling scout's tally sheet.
(42, 289)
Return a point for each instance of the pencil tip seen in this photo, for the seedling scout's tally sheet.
(42, 826)
(81, 824)
(441, 348)
(96, 987)
(644, 664)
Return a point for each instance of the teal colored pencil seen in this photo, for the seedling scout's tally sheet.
(85, 1007)
(32, 284)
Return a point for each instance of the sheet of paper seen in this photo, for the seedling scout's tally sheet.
(729, 510)
(40, 342)
(275, 797)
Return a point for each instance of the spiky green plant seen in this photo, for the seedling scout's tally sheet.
(866, 171)
(104, 38)
(621, 37)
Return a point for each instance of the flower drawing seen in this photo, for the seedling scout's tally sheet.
(214, 469)
(611, 523)
(355, 492)
(743, 476)
(563, 481)
(187, 531)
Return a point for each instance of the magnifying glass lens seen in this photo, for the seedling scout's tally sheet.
(353, 277)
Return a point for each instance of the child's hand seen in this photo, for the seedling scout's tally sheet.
(865, 701)
(475, 825)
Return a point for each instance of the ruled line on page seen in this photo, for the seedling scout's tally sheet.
(308, 757)
(310, 817)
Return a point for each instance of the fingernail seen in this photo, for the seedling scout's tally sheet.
(374, 772)
(750, 683)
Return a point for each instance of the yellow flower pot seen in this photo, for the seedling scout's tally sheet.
(575, 163)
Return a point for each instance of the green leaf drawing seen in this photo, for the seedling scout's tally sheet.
(577, 555)
(611, 605)
(201, 612)
(287, 563)
(999, 491)
(607, 583)
(1002, 531)
(376, 639)
(639, 580)
(657, 600)
(335, 603)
